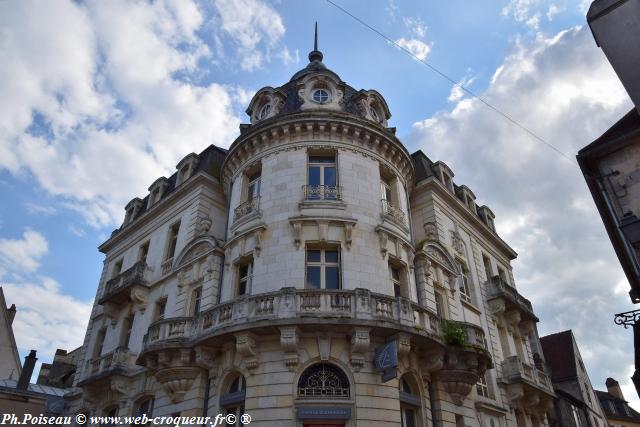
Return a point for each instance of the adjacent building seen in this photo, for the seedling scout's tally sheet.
(61, 371)
(316, 272)
(576, 404)
(616, 408)
(9, 358)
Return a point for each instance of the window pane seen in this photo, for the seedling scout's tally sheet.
(332, 278)
(313, 277)
(313, 256)
(314, 175)
(244, 270)
(395, 274)
(331, 256)
(321, 159)
(387, 194)
(330, 176)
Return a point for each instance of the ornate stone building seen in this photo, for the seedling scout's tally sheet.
(264, 279)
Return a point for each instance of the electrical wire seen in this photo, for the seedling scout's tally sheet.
(455, 83)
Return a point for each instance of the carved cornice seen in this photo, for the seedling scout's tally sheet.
(341, 130)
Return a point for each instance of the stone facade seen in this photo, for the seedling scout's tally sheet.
(263, 279)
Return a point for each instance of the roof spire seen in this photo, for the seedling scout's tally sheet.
(315, 54)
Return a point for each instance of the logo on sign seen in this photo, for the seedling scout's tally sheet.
(386, 360)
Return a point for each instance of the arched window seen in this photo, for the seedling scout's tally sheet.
(323, 381)
(232, 402)
(144, 407)
(321, 96)
(410, 402)
(264, 111)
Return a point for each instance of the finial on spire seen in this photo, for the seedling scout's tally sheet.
(315, 54)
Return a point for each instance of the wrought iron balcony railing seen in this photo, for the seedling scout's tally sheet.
(393, 213)
(322, 192)
(117, 289)
(290, 303)
(246, 208)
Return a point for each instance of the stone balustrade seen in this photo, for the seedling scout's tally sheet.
(474, 334)
(117, 289)
(498, 288)
(393, 213)
(514, 371)
(317, 305)
(249, 207)
(120, 358)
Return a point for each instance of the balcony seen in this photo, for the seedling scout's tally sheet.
(394, 214)
(473, 334)
(302, 306)
(247, 210)
(116, 361)
(322, 192)
(527, 386)
(498, 289)
(118, 289)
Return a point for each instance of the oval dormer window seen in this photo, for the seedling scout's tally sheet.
(321, 96)
(264, 111)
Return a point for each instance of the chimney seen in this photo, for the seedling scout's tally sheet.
(613, 387)
(12, 313)
(27, 370)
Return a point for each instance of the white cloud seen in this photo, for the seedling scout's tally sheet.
(250, 23)
(418, 48)
(46, 318)
(96, 112)
(457, 93)
(77, 231)
(524, 11)
(552, 11)
(37, 209)
(416, 26)
(563, 89)
(18, 256)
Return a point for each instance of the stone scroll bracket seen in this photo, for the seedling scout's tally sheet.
(246, 347)
(360, 344)
(289, 340)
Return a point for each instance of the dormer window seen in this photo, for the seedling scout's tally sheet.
(321, 96)
(186, 168)
(264, 111)
(132, 209)
(157, 190)
(374, 114)
(444, 173)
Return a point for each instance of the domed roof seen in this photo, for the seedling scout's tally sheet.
(300, 92)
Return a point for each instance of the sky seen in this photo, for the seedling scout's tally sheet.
(101, 98)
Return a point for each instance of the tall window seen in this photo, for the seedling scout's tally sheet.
(385, 187)
(232, 402)
(126, 330)
(463, 282)
(172, 240)
(441, 311)
(323, 381)
(145, 407)
(97, 350)
(481, 386)
(253, 190)
(395, 280)
(398, 277)
(245, 276)
(197, 300)
(322, 178)
(409, 404)
(143, 252)
(117, 268)
(503, 275)
(323, 268)
(488, 271)
(161, 307)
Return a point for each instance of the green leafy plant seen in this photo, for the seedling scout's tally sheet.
(454, 334)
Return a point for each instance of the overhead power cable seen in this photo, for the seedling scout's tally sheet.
(455, 83)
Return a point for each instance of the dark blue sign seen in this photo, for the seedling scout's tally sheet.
(386, 360)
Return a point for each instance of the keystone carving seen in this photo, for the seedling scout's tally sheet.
(431, 231)
(289, 338)
(246, 347)
(456, 242)
(203, 225)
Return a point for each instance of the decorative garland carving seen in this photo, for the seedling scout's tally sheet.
(289, 338)
(246, 347)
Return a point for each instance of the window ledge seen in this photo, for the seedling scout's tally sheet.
(471, 307)
(322, 204)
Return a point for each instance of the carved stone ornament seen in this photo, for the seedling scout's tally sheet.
(384, 239)
(206, 359)
(203, 225)
(119, 385)
(461, 371)
(297, 233)
(360, 343)
(258, 241)
(431, 231)
(348, 232)
(246, 347)
(289, 338)
(456, 242)
(140, 295)
(177, 381)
